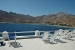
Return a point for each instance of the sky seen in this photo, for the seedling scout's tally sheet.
(38, 7)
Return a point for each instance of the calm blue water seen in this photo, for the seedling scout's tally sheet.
(28, 27)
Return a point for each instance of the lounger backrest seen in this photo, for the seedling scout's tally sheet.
(65, 32)
(56, 33)
(60, 31)
(45, 35)
(74, 31)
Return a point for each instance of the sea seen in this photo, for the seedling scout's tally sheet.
(28, 27)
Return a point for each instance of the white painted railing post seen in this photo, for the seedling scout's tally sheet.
(5, 35)
(37, 33)
(15, 36)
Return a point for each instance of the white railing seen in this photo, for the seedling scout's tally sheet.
(36, 34)
(24, 32)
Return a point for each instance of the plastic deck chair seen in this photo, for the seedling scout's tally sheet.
(64, 35)
(73, 32)
(60, 32)
(45, 37)
(55, 37)
(11, 37)
(67, 34)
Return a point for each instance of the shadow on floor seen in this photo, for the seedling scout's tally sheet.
(3, 45)
(15, 44)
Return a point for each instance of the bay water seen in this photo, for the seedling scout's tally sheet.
(28, 27)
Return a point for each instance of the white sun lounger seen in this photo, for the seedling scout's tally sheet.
(54, 37)
(45, 37)
(67, 34)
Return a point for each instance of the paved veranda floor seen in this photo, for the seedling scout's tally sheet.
(38, 44)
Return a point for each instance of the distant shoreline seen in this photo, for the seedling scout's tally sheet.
(35, 24)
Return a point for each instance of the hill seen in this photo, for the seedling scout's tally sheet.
(61, 18)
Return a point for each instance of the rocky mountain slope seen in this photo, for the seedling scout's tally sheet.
(61, 18)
